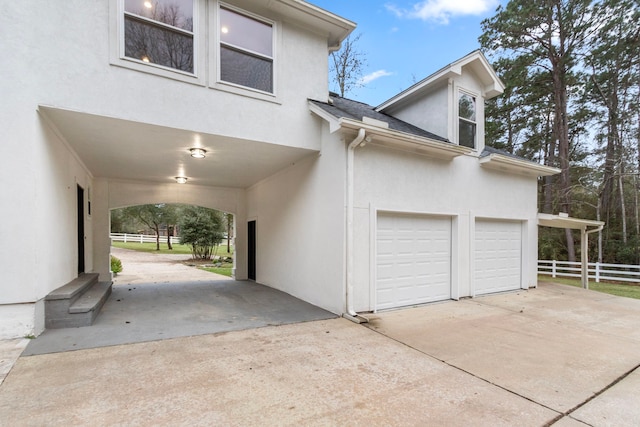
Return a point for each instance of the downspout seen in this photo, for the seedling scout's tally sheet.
(350, 312)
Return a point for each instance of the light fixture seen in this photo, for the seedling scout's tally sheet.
(148, 4)
(145, 59)
(198, 153)
(181, 179)
(224, 30)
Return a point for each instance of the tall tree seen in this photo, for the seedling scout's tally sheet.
(347, 65)
(551, 35)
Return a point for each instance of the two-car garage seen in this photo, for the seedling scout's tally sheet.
(414, 258)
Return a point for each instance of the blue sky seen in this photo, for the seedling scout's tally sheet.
(407, 40)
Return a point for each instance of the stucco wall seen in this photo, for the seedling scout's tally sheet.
(429, 112)
(63, 59)
(396, 181)
(299, 216)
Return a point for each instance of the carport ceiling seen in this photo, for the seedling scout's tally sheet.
(126, 150)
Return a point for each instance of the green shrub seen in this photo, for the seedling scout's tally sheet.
(116, 265)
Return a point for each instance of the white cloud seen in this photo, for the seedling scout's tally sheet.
(441, 11)
(373, 76)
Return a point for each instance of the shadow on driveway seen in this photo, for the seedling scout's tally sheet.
(141, 311)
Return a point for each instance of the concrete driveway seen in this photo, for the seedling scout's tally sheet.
(554, 355)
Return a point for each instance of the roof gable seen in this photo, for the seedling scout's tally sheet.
(475, 61)
(339, 108)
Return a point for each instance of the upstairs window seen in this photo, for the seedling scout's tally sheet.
(467, 120)
(246, 51)
(160, 32)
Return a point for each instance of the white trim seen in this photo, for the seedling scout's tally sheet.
(463, 91)
(524, 261)
(117, 47)
(565, 221)
(407, 142)
(454, 292)
(495, 88)
(214, 52)
(503, 163)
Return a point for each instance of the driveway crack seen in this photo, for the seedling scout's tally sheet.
(560, 414)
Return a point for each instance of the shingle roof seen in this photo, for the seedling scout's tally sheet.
(490, 150)
(346, 108)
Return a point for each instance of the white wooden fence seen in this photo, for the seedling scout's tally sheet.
(596, 270)
(137, 238)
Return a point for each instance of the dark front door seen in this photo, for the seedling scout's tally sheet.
(80, 230)
(252, 250)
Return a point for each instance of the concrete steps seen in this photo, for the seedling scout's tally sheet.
(77, 303)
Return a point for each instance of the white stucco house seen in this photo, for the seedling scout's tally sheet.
(371, 207)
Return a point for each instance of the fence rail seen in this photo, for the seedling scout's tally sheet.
(596, 270)
(137, 238)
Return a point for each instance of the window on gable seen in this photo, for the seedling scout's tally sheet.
(466, 120)
(160, 32)
(246, 51)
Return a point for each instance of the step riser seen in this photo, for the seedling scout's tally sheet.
(60, 311)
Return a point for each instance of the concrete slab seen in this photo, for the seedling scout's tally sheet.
(152, 311)
(10, 350)
(617, 406)
(540, 344)
(320, 373)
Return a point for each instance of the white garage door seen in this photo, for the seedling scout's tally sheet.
(498, 256)
(413, 260)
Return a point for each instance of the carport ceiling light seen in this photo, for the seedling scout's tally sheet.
(198, 153)
(181, 179)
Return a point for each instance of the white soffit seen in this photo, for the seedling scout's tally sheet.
(322, 21)
(115, 148)
(509, 164)
(565, 221)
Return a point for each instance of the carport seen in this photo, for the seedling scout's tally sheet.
(585, 226)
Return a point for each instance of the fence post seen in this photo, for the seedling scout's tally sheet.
(125, 237)
(553, 268)
(597, 272)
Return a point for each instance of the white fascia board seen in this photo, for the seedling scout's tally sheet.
(405, 141)
(504, 163)
(334, 123)
(335, 27)
(561, 221)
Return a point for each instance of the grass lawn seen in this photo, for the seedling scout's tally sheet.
(619, 289)
(177, 248)
(224, 269)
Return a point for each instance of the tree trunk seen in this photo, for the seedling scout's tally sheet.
(169, 234)
(623, 211)
(550, 160)
(157, 230)
(559, 75)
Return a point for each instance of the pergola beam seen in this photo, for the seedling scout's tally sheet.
(563, 220)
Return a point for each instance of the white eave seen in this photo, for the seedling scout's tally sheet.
(502, 163)
(317, 19)
(405, 141)
(381, 135)
(476, 61)
(565, 221)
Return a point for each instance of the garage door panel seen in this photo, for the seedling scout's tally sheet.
(413, 260)
(498, 256)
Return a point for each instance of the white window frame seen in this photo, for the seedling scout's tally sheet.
(475, 97)
(117, 46)
(214, 61)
